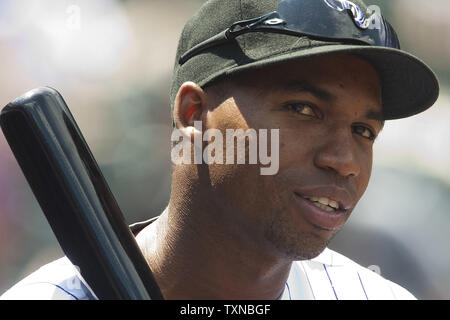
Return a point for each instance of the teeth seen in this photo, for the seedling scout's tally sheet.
(323, 207)
(324, 203)
(333, 204)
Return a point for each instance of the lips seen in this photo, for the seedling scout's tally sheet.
(325, 208)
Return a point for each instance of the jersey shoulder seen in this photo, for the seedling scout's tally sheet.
(347, 277)
(58, 280)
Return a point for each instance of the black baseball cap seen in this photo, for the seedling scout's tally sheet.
(226, 37)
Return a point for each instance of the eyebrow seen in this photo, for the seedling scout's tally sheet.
(304, 86)
(375, 115)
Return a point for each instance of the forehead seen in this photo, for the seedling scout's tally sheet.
(345, 70)
(332, 78)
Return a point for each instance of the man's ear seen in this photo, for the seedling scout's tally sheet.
(189, 105)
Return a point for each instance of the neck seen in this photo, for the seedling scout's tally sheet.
(193, 256)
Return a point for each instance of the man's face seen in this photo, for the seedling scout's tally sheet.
(328, 112)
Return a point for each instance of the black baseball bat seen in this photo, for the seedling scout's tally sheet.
(74, 196)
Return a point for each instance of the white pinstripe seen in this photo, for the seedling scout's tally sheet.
(330, 276)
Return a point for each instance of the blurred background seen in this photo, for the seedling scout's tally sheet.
(112, 62)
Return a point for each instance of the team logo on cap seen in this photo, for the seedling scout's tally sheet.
(358, 14)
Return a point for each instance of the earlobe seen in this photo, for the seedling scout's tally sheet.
(189, 105)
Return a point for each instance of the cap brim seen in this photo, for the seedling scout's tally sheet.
(409, 86)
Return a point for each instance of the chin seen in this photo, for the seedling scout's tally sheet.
(293, 244)
(305, 249)
(309, 253)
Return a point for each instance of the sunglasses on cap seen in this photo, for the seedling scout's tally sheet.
(326, 20)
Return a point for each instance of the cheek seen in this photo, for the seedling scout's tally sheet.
(365, 173)
(296, 147)
(226, 116)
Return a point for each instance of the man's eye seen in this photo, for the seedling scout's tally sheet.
(302, 109)
(364, 132)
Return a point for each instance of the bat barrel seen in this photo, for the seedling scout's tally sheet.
(74, 196)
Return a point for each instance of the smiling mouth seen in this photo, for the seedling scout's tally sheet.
(324, 203)
(322, 212)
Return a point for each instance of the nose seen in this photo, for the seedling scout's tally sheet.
(338, 153)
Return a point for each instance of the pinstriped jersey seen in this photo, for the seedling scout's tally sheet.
(330, 276)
